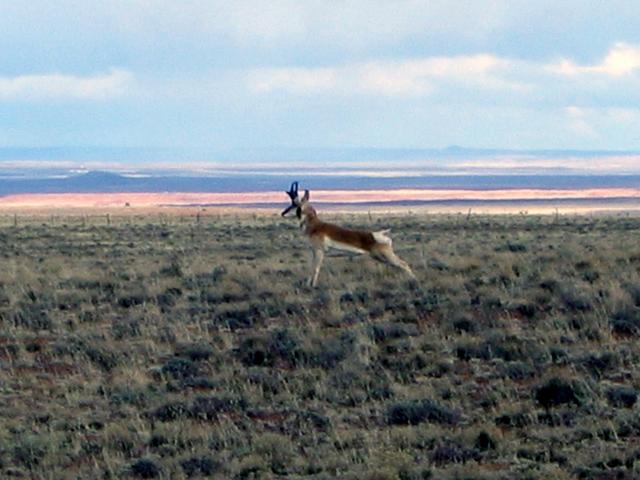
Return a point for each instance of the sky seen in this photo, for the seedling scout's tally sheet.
(319, 73)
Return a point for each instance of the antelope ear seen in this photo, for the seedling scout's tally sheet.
(305, 198)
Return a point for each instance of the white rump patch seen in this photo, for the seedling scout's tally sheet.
(382, 237)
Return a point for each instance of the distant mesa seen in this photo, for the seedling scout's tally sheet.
(99, 175)
(89, 182)
(96, 181)
(240, 182)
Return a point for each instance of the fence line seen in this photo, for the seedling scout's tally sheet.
(18, 220)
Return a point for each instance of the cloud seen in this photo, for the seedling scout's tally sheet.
(58, 86)
(312, 25)
(578, 121)
(622, 59)
(589, 122)
(410, 77)
(297, 80)
(482, 78)
(624, 115)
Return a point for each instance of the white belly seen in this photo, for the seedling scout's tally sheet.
(329, 243)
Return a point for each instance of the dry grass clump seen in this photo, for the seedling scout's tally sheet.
(196, 350)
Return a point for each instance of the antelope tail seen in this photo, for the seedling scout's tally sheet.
(383, 237)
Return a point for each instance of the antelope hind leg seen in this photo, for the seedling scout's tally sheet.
(388, 256)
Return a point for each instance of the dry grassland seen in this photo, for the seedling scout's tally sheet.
(169, 348)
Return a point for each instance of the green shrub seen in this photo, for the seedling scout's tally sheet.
(145, 468)
(558, 391)
(415, 412)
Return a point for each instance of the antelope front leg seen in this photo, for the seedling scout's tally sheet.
(318, 257)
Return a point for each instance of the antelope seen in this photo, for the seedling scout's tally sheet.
(323, 235)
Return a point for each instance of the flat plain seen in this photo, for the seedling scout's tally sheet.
(188, 347)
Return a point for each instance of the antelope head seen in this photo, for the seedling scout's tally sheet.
(296, 201)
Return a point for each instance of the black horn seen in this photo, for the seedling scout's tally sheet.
(293, 195)
(288, 209)
(293, 191)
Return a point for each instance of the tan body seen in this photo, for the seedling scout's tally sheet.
(323, 235)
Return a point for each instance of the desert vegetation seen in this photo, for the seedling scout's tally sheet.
(177, 348)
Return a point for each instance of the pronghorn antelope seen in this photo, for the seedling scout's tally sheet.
(323, 235)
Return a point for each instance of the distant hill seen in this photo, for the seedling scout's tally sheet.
(150, 155)
(108, 182)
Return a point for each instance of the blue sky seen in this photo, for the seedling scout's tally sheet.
(503, 74)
